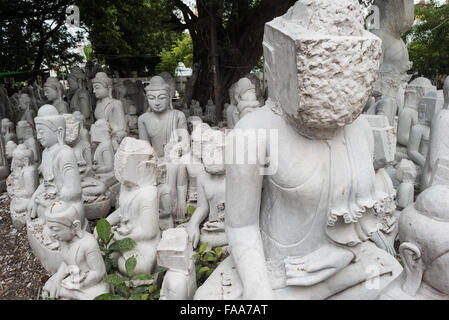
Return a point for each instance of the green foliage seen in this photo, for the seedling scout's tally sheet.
(191, 209)
(124, 288)
(180, 51)
(428, 41)
(206, 261)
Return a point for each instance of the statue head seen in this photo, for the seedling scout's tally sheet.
(50, 126)
(72, 129)
(9, 149)
(197, 137)
(24, 130)
(246, 90)
(424, 241)
(64, 221)
(6, 126)
(100, 131)
(25, 99)
(396, 16)
(76, 79)
(427, 108)
(170, 81)
(22, 157)
(135, 163)
(213, 151)
(53, 89)
(311, 80)
(102, 85)
(158, 94)
(446, 93)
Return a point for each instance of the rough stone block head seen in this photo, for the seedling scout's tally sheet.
(174, 250)
(384, 140)
(321, 64)
(406, 171)
(72, 130)
(421, 86)
(428, 107)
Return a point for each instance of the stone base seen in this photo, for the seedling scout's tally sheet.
(19, 220)
(97, 210)
(50, 259)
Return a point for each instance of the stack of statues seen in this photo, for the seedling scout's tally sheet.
(308, 197)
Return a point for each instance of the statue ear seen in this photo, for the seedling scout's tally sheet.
(414, 267)
(60, 134)
(76, 227)
(110, 92)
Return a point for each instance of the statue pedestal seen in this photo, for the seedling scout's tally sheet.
(98, 209)
(50, 259)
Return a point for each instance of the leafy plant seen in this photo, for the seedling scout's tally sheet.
(191, 209)
(206, 261)
(124, 288)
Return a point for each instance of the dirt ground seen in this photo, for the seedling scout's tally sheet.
(21, 274)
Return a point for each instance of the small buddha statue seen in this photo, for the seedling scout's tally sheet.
(80, 98)
(196, 109)
(7, 130)
(247, 99)
(211, 193)
(109, 109)
(21, 184)
(80, 147)
(26, 107)
(9, 150)
(406, 173)
(190, 168)
(81, 272)
(25, 135)
(424, 245)
(59, 169)
(84, 133)
(54, 92)
(186, 110)
(174, 252)
(137, 217)
(210, 114)
(439, 139)
(418, 143)
(161, 123)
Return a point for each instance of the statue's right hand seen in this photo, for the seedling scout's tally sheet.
(194, 235)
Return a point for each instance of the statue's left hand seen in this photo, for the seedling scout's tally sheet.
(317, 266)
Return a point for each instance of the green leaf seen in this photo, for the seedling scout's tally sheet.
(202, 270)
(144, 296)
(108, 296)
(130, 265)
(141, 289)
(191, 210)
(103, 228)
(160, 269)
(123, 290)
(203, 248)
(137, 296)
(152, 289)
(124, 244)
(210, 256)
(114, 279)
(219, 252)
(143, 276)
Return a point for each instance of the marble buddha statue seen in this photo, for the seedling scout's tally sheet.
(161, 123)
(81, 272)
(7, 130)
(300, 213)
(210, 113)
(211, 189)
(61, 182)
(232, 114)
(21, 184)
(109, 109)
(418, 143)
(135, 166)
(439, 139)
(247, 99)
(80, 98)
(191, 167)
(26, 136)
(84, 133)
(26, 107)
(9, 150)
(54, 92)
(424, 247)
(80, 147)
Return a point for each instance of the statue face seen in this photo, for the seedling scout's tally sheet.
(51, 93)
(60, 232)
(436, 274)
(158, 100)
(73, 83)
(24, 100)
(46, 136)
(100, 91)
